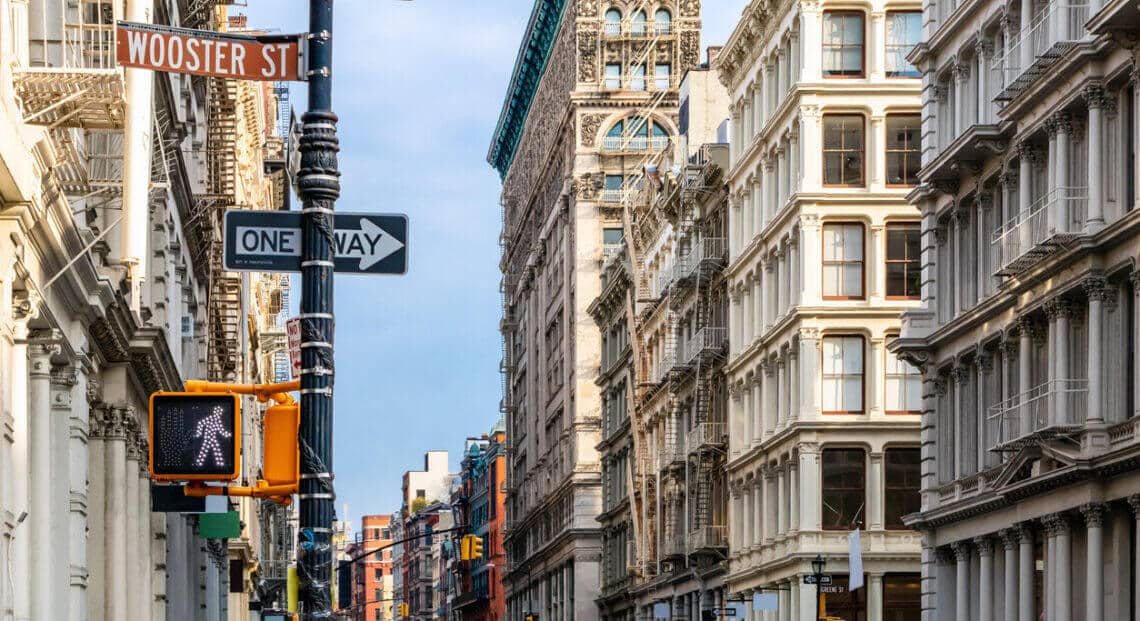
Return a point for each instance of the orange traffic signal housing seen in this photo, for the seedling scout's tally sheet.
(195, 436)
(281, 463)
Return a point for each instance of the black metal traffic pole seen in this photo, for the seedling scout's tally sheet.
(318, 186)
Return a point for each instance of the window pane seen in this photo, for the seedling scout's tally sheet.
(904, 30)
(903, 148)
(842, 486)
(612, 236)
(613, 182)
(853, 242)
(902, 597)
(904, 268)
(903, 474)
(843, 150)
(843, 44)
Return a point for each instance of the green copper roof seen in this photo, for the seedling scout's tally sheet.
(530, 64)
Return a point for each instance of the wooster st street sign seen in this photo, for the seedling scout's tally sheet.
(270, 241)
(204, 52)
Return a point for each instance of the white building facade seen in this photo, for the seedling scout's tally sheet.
(1027, 334)
(823, 259)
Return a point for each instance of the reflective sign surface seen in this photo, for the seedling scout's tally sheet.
(194, 436)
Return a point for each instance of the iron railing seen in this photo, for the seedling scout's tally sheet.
(708, 435)
(1050, 35)
(708, 538)
(707, 340)
(1052, 220)
(1054, 407)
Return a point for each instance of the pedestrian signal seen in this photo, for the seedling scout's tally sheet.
(195, 436)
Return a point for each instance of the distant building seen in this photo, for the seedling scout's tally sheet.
(375, 570)
(475, 587)
(431, 483)
(414, 562)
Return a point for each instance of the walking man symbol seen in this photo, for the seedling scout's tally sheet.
(210, 428)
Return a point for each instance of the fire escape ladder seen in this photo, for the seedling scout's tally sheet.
(225, 294)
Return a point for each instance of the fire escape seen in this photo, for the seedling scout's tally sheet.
(71, 86)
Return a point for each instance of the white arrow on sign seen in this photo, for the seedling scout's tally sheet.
(370, 243)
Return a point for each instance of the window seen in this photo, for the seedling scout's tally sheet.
(843, 150)
(904, 469)
(843, 490)
(904, 268)
(613, 22)
(904, 30)
(843, 45)
(613, 76)
(843, 603)
(902, 597)
(385, 533)
(378, 595)
(904, 386)
(904, 149)
(663, 20)
(843, 374)
(376, 614)
(377, 574)
(421, 493)
(637, 78)
(843, 261)
(661, 76)
(638, 27)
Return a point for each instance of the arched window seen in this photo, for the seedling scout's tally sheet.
(613, 22)
(663, 19)
(636, 134)
(639, 20)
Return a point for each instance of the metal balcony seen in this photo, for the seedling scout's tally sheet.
(670, 455)
(612, 195)
(634, 143)
(708, 436)
(708, 341)
(1057, 407)
(1052, 223)
(673, 548)
(708, 539)
(705, 257)
(1052, 33)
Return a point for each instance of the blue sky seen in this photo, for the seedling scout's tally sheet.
(418, 87)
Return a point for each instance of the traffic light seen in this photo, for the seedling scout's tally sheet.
(470, 547)
(402, 610)
(531, 616)
(195, 436)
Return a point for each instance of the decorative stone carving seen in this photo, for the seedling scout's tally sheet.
(1010, 538)
(587, 56)
(589, 125)
(961, 551)
(587, 8)
(1093, 514)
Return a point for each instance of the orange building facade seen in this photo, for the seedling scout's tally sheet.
(373, 594)
(476, 586)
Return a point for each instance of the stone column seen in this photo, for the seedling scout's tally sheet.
(1024, 359)
(961, 376)
(756, 320)
(809, 370)
(1062, 577)
(779, 299)
(767, 502)
(782, 405)
(1009, 541)
(878, 49)
(69, 415)
(749, 512)
(734, 228)
(1062, 312)
(96, 523)
(1026, 569)
(1062, 202)
(962, 582)
(767, 319)
(1134, 504)
(1098, 293)
(875, 493)
(985, 578)
(758, 388)
(794, 382)
(781, 181)
(43, 559)
(1023, 32)
(747, 303)
(794, 162)
(984, 203)
(748, 431)
(809, 227)
(760, 213)
(145, 535)
(759, 495)
(1095, 98)
(877, 159)
(875, 597)
(809, 481)
(1026, 154)
(115, 451)
(772, 393)
(133, 520)
(961, 85)
(736, 321)
(794, 494)
(781, 501)
(875, 369)
(734, 518)
(983, 50)
(1094, 561)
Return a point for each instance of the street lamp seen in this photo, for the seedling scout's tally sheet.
(817, 566)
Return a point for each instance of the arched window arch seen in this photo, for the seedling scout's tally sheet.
(639, 20)
(636, 134)
(613, 22)
(662, 19)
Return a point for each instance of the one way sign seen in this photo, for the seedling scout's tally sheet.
(270, 241)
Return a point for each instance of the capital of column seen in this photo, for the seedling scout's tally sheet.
(117, 421)
(984, 544)
(1134, 504)
(1056, 524)
(1057, 309)
(1093, 513)
(1094, 96)
(1096, 287)
(1134, 279)
(1010, 538)
(1009, 347)
(961, 71)
(960, 374)
(985, 362)
(961, 550)
(983, 48)
(1062, 123)
(1028, 150)
(144, 453)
